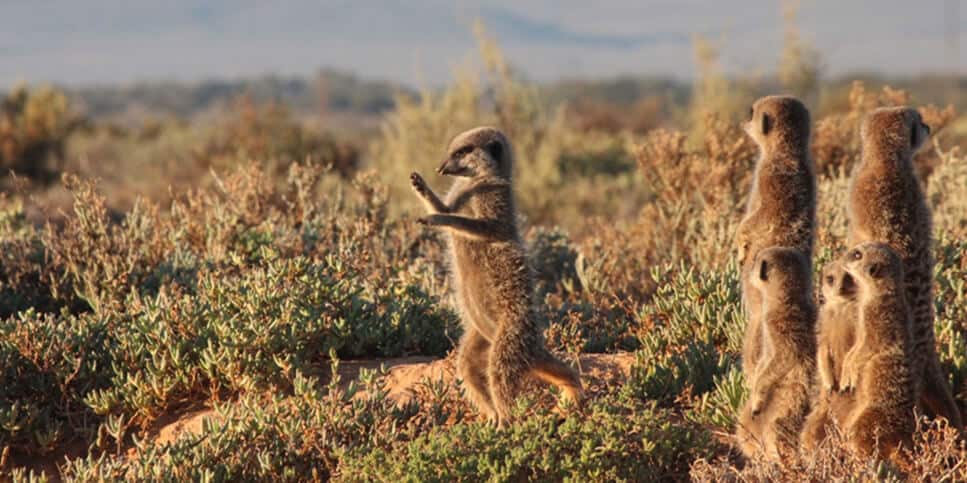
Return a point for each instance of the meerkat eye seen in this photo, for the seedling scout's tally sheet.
(751, 113)
(495, 149)
(830, 279)
(856, 255)
(926, 128)
(914, 135)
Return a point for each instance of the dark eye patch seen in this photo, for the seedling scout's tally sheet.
(766, 124)
(764, 271)
(495, 149)
(876, 270)
(462, 152)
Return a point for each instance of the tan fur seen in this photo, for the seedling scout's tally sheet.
(877, 368)
(772, 418)
(503, 343)
(835, 334)
(782, 203)
(887, 205)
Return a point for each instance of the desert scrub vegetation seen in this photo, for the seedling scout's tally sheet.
(116, 323)
(34, 126)
(244, 288)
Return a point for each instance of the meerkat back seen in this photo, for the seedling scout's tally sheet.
(782, 203)
(781, 382)
(887, 205)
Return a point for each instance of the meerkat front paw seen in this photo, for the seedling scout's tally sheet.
(756, 402)
(849, 380)
(419, 185)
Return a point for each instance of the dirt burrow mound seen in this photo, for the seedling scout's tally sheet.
(404, 375)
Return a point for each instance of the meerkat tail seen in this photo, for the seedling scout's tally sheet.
(472, 363)
(556, 373)
(937, 397)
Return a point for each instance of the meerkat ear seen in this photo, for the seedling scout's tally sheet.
(764, 271)
(766, 123)
(915, 135)
(495, 149)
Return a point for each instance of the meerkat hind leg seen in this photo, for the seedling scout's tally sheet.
(510, 361)
(472, 363)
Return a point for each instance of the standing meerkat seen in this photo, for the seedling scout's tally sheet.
(771, 420)
(836, 325)
(502, 342)
(835, 334)
(887, 205)
(877, 368)
(782, 203)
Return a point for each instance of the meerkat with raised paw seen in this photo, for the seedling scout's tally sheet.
(887, 204)
(772, 418)
(877, 368)
(502, 342)
(781, 210)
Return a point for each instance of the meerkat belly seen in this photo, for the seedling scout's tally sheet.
(489, 289)
(842, 335)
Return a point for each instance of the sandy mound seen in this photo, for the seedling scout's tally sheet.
(405, 375)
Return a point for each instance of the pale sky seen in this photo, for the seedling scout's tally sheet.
(420, 41)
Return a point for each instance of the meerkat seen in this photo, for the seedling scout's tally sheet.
(781, 210)
(502, 342)
(877, 368)
(887, 204)
(772, 418)
(835, 335)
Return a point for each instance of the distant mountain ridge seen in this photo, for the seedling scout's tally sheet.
(341, 92)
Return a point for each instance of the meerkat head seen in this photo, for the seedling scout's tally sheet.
(874, 266)
(782, 272)
(778, 121)
(837, 285)
(482, 151)
(894, 129)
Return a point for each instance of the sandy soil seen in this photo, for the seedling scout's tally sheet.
(403, 377)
